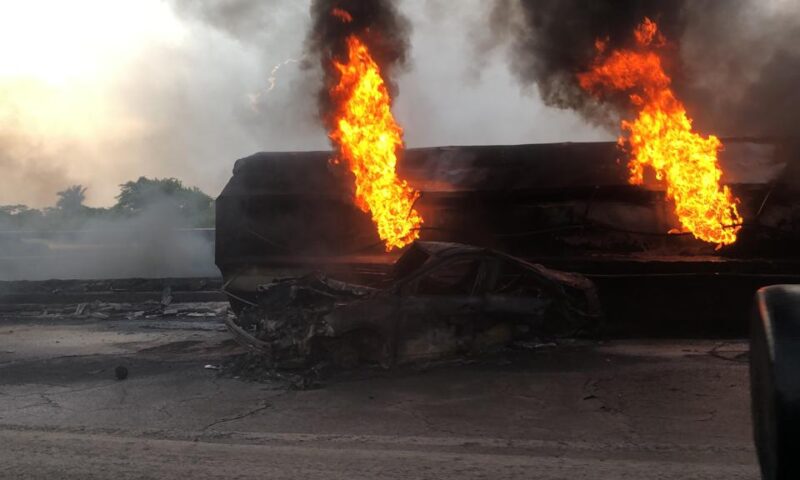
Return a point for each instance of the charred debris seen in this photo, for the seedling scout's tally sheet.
(442, 300)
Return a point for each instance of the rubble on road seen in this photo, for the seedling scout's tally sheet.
(108, 311)
(135, 290)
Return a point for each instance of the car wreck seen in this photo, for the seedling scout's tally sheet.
(442, 299)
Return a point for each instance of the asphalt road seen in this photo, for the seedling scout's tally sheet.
(633, 409)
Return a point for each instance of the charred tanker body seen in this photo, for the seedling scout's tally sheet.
(567, 206)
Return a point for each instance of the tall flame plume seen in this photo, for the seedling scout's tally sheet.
(369, 140)
(661, 137)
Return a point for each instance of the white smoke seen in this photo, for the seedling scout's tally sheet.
(152, 244)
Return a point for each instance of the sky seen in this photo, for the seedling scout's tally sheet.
(99, 92)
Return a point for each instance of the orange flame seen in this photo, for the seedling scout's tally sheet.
(342, 15)
(368, 140)
(662, 139)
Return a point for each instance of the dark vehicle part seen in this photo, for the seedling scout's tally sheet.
(775, 380)
(445, 299)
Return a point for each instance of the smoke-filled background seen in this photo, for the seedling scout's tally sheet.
(100, 92)
(735, 63)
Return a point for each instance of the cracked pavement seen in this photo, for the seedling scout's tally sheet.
(621, 409)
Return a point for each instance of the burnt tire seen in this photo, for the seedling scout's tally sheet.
(775, 380)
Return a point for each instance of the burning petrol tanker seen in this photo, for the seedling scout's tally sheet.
(588, 208)
(567, 206)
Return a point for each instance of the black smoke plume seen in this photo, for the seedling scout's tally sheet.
(735, 63)
(554, 40)
(741, 66)
(377, 23)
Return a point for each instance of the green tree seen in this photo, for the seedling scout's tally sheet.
(71, 200)
(13, 217)
(190, 203)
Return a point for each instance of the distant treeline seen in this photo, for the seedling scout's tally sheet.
(188, 206)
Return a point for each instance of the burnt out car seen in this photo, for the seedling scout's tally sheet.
(443, 299)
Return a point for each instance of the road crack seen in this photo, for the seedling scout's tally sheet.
(258, 409)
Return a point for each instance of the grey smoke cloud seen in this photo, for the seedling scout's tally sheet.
(742, 65)
(450, 96)
(189, 108)
(151, 244)
(26, 163)
(247, 20)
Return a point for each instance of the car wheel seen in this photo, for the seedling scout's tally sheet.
(775, 380)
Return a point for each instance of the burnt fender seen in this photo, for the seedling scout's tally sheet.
(775, 380)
